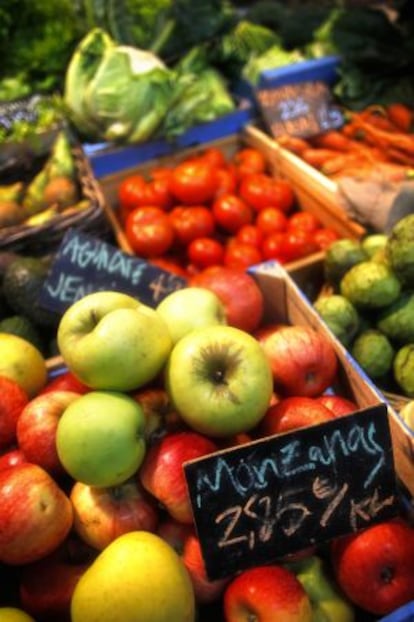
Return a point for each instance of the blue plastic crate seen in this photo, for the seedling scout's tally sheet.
(107, 159)
(402, 614)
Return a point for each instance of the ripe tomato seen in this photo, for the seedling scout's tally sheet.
(272, 246)
(205, 252)
(214, 156)
(226, 180)
(191, 222)
(250, 234)
(194, 181)
(158, 192)
(131, 192)
(149, 231)
(249, 160)
(261, 190)
(304, 220)
(231, 212)
(324, 237)
(271, 219)
(298, 243)
(241, 256)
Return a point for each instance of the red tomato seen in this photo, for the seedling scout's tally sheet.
(324, 237)
(205, 252)
(231, 212)
(226, 180)
(249, 160)
(214, 156)
(191, 222)
(271, 219)
(240, 255)
(158, 192)
(272, 247)
(194, 181)
(250, 234)
(161, 172)
(149, 231)
(298, 243)
(131, 192)
(304, 220)
(261, 190)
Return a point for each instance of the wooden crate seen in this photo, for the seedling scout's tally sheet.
(309, 279)
(311, 200)
(316, 191)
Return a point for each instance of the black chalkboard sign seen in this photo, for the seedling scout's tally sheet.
(278, 495)
(85, 264)
(302, 109)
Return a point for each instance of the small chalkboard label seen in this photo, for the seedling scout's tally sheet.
(303, 109)
(257, 502)
(85, 264)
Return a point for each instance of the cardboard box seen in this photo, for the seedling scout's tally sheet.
(248, 136)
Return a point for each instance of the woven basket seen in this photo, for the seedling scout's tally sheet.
(46, 237)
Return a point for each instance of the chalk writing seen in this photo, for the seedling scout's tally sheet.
(276, 495)
(85, 264)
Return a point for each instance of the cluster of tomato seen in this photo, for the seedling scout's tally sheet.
(213, 210)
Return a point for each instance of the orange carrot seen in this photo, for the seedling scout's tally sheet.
(383, 139)
(293, 143)
(317, 156)
(333, 139)
(401, 115)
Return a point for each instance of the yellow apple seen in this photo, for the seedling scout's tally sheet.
(137, 577)
(407, 414)
(22, 362)
(12, 614)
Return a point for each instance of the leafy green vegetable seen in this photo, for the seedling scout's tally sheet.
(36, 41)
(274, 57)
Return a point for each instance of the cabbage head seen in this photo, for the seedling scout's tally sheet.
(126, 98)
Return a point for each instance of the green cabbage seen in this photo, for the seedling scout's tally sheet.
(122, 95)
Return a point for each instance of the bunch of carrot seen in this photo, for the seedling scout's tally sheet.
(376, 136)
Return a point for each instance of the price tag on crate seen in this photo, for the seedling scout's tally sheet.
(302, 109)
(85, 264)
(257, 502)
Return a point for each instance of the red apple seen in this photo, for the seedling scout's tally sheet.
(162, 473)
(174, 533)
(303, 360)
(36, 515)
(266, 594)
(65, 381)
(242, 297)
(12, 458)
(375, 567)
(46, 586)
(205, 590)
(160, 416)
(103, 514)
(291, 413)
(36, 429)
(13, 400)
(339, 405)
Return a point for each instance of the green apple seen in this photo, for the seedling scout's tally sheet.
(219, 379)
(100, 438)
(189, 308)
(22, 362)
(329, 604)
(13, 614)
(111, 341)
(139, 576)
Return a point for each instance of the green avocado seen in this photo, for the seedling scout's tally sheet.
(340, 315)
(397, 320)
(340, 257)
(374, 353)
(400, 250)
(22, 283)
(370, 284)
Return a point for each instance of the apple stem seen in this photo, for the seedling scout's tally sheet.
(387, 575)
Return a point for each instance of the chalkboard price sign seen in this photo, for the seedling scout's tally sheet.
(302, 109)
(85, 264)
(278, 495)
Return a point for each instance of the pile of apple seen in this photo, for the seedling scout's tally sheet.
(95, 517)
